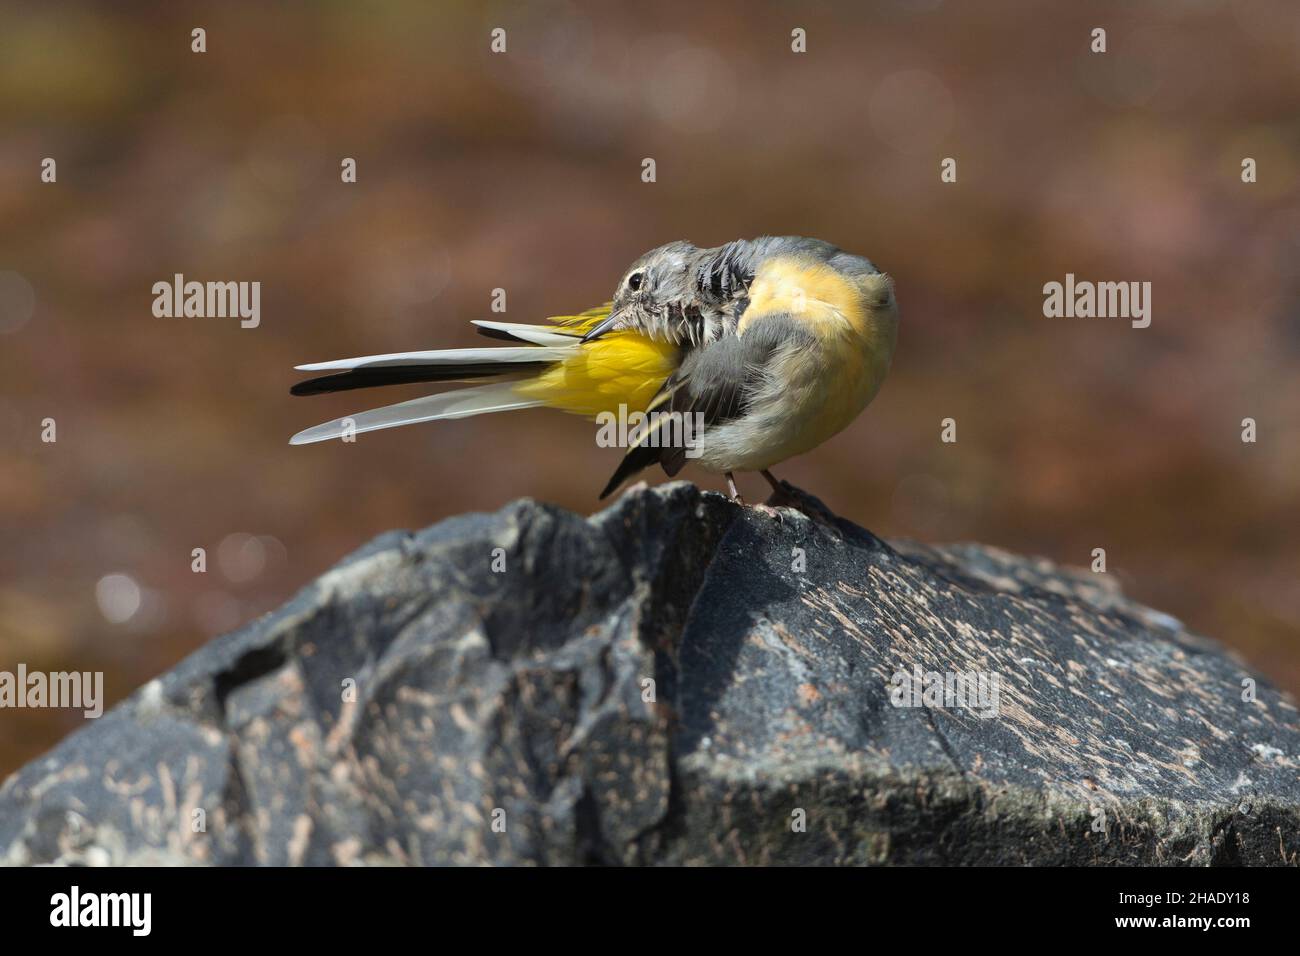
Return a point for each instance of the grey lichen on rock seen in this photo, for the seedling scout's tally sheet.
(677, 680)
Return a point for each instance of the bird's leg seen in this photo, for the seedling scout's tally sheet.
(787, 495)
(735, 496)
(731, 487)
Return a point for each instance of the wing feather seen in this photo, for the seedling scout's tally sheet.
(716, 381)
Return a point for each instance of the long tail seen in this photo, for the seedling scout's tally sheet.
(497, 397)
(557, 366)
(546, 346)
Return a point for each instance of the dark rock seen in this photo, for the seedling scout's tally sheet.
(1118, 737)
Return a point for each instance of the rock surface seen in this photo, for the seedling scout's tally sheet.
(518, 697)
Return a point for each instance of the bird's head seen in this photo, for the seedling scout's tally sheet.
(660, 278)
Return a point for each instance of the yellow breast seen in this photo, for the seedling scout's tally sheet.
(855, 322)
(812, 292)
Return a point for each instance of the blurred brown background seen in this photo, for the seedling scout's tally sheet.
(522, 171)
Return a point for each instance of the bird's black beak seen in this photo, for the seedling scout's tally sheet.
(605, 324)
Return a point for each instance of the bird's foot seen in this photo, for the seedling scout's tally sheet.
(739, 499)
(733, 491)
(786, 495)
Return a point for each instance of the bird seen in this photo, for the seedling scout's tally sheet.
(736, 357)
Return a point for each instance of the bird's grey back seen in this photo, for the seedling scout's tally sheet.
(702, 293)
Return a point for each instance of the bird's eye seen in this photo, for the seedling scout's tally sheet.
(634, 281)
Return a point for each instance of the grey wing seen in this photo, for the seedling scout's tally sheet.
(717, 382)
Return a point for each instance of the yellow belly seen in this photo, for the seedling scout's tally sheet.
(812, 393)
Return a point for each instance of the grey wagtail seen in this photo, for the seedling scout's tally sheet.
(770, 346)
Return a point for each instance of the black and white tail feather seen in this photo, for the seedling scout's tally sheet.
(544, 345)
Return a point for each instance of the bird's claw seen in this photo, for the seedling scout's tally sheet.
(786, 495)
